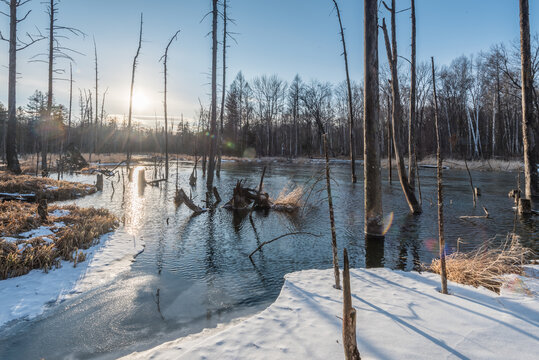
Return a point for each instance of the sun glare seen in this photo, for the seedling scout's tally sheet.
(141, 102)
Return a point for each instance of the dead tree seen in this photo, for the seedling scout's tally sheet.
(135, 59)
(14, 45)
(70, 102)
(164, 58)
(373, 178)
(349, 89)
(392, 56)
(440, 194)
(223, 94)
(348, 315)
(529, 141)
(213, 125)
(412, 113)
(96, 102)
(331, 217)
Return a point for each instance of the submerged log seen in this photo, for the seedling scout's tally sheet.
(486, 216)
(243, 196)
(182, 198)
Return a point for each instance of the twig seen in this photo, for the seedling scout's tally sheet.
(280, 237)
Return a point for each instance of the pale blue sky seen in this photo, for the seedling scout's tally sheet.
(278, 36)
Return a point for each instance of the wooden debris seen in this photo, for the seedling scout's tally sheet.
(486, 216)
(99, 182)
(349, 316)
(280, 237)
(42, 209)
(182, 198)
(524, 206)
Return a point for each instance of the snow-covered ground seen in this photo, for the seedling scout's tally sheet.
(29, 295)
(400, 315)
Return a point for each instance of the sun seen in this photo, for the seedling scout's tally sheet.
(141, 102)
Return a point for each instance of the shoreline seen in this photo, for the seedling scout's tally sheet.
(405, 307)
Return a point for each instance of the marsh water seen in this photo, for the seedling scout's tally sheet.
(201, 267)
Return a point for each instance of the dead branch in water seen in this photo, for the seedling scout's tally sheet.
(280, 237)
(181, 197)
(486, 216)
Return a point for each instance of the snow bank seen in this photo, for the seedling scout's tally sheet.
(399, 316)
(29, 295)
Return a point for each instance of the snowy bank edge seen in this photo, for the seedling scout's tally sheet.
(28, 296)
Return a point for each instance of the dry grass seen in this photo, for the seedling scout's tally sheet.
(289, 200)
(52, 190)
(83, 227)
(485, 265)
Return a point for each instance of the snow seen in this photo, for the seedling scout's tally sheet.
(28, 296)
(400, 315)
(40, 231)
(59, 213)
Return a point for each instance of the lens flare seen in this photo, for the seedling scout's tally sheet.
(388, 221)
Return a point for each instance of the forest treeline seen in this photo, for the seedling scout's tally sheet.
(479, 103)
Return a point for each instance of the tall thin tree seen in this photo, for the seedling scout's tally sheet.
(412, 112)
(371, 156)
(164, 58)
(135, 59)
(14, 45)
(530, 147)
(223, 93)
(349, 89)
(213, 123)
(439, 161)
(392, 57)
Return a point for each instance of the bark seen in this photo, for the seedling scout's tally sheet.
(348, 315)
(440, 194)
(96, 99)
(528, 140)
(332, 219)
(350, 106)
(128, 144)
(413, 204)
(412, 119)
(70, 102)
(213, 125)
(222, 114)
(48, 115)
(371, 156)
(11, 143)
(165, 59)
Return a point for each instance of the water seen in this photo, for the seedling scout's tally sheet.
(201, 267)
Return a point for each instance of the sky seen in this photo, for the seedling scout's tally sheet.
(283, 37)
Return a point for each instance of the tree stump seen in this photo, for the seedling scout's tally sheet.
(524, 206)
(349, 316)
(42, 209)
(477, 192)
(99, 182)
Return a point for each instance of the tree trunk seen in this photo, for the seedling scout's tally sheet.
(412, 119)
(374, 224)
(397, 114)
(213, 125)
(128, 143)
(348, 315)
(47, 121)
(332, 219)
(529, 139)
(222, 114)
(440, 194)
(11, 143)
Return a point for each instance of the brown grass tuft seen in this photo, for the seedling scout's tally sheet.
(289, 200)
(83, 227)
(485, 265)
(52, 190)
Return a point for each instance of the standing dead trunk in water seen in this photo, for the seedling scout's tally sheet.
(48, 115)
(70, 103)
(392, 56)
(164, 58)
(11, 133)
(474, 192)
(128, 143)
(222, 113)
(348, 315)
(412, 118)
(529, 135)
(373, 178)
(389, 142)
(96, 117)
(213, 125)
(349, 89)
(331, 217)
(440, 194)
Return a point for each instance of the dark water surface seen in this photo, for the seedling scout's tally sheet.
(201, 267)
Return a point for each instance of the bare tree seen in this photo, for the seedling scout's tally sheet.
(135, 59)
(440, 194)
(412, 113)
(164, 58)
(223, 92)
(96, 100)
(371, 156)
(392, 56)
(213, 124)
(528, 129)
(350, 106)
(14, 45)
(70, 102)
